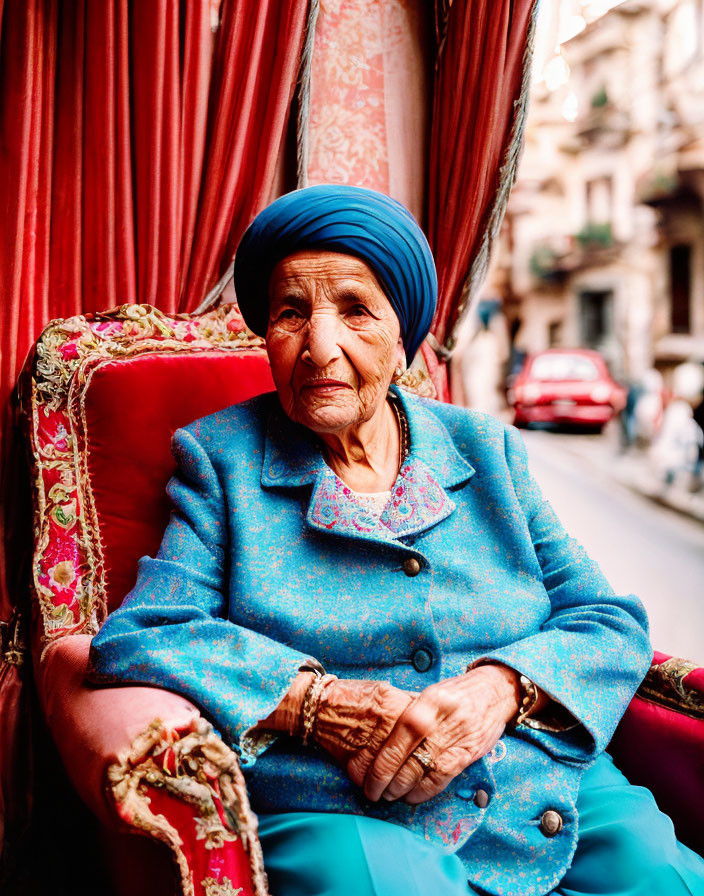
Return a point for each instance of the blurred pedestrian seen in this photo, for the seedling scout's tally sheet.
(677, 450)
(627, 417)
(698, 416)
(649, 408)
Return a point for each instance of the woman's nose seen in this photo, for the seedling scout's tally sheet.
(323, 339)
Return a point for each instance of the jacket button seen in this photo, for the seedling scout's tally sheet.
(481, 799)
(411, 566)
(422, 660)
(551, 823)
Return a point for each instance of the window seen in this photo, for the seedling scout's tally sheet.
(680, 288)
(595, 316)
(556, 367)
(554, 333)
(600, 200)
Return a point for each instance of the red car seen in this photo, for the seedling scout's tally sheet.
(568, 386)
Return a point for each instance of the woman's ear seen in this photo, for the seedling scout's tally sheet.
(400, 358)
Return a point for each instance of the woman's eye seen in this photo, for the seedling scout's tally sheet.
(358, 311)
(289, 314)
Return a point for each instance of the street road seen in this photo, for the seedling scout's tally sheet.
(641, 547)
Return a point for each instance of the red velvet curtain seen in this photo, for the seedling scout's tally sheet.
(138, 138)
(479, 101)
(137, 141)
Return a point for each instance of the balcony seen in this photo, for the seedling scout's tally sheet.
(594, 237)
(602, 124)
(554, 259)
(674, 187)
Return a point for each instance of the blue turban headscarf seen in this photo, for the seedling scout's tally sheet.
(351, 220)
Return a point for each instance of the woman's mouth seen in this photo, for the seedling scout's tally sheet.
(325, 384)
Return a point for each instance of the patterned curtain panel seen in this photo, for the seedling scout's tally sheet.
(369, 97)
(137, 141)
(428, 108)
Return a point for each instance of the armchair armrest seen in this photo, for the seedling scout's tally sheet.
(660, 743)
(188, 792)
(144, 759)
(92, 727)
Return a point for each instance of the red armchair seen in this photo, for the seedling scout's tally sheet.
(102, 396)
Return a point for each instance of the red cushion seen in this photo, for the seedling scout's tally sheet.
(131, 408)
(663, 749)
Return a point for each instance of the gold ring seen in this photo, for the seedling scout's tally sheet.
(423, 756)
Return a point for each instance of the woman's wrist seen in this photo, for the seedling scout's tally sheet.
(507, 687)
(522, 695)
(287, 717)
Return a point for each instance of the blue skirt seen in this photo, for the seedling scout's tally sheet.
(627, 847)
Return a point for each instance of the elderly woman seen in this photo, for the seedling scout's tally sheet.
(419, 669)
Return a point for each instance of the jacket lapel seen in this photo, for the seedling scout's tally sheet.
(419, 500)
(292, 456)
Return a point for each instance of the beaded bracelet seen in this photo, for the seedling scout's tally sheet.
(311, 702)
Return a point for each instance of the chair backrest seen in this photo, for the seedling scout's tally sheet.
(103, 396)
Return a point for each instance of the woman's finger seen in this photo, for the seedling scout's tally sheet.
(411, 772)
(358, 765)
(428, 787)
(394, 702)
(452, 763)
(410, 730)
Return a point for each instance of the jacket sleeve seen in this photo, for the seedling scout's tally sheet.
(172, 630)
(593, 651)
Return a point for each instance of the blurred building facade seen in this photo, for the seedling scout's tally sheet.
(603, 242)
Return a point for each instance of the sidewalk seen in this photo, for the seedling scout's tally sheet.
(634, 471)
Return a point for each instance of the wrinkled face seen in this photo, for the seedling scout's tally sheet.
(333, 339)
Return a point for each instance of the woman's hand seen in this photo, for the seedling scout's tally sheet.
(352, 714)
(356, 715)
(457, 721)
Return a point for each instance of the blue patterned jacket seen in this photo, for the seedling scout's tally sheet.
(266, 562)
